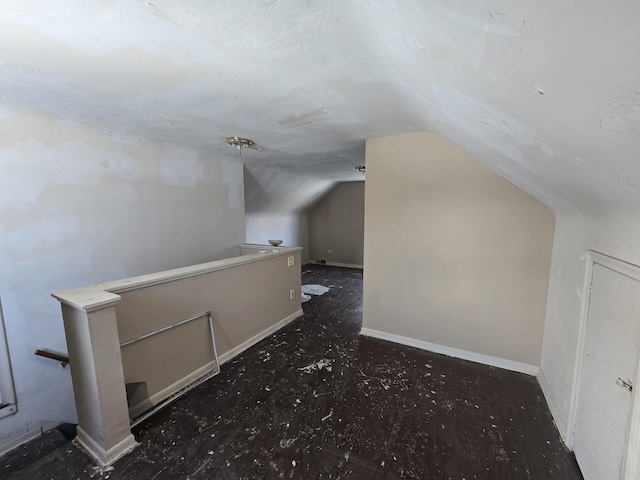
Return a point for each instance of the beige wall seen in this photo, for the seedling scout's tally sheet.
(455, 255)
(244, 300)
(336, 225)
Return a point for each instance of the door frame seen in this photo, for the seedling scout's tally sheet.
(632, 271)
(7, 391)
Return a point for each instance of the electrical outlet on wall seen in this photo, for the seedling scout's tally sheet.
(292, 294)
(291, 260)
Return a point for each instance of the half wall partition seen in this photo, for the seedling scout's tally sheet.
(136, 343)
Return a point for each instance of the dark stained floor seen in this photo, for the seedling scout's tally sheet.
(318, 401)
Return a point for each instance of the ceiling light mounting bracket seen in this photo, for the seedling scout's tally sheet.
(240, 143)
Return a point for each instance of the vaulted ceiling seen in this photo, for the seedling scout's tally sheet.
(544, 92)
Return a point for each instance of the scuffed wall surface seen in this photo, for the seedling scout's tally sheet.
(79, 207)
(336, 225)
(454, 254)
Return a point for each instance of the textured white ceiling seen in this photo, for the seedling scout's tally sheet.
(546, 93)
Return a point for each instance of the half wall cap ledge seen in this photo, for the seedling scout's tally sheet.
(87, 299)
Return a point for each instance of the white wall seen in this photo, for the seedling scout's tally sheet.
(79, 207)
(615, 234)
(290, 227)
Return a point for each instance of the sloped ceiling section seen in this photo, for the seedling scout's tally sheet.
(546, 93)
(278, 190)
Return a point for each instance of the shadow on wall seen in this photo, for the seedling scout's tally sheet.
(254, 194)
(276, 204)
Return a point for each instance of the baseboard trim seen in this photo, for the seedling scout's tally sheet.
(225, 357)
(174, 390)
(454, 352)
(338, 264)
(345, 265)
(559, 419)
(161, 399)
(16, 442)
(103, 457)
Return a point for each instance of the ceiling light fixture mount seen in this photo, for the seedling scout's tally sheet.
(240, 143)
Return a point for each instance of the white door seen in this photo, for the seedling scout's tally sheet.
(608, 375)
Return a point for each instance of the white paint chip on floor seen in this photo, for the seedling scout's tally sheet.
(319, 365)
(314, 289)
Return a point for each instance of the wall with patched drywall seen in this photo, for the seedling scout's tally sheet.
(79, 207)
(455, 255)
(336, 225)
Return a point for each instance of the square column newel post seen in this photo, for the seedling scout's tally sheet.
(93, 342)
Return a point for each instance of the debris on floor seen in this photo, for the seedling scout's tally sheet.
(314, 289)
(319, 365)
